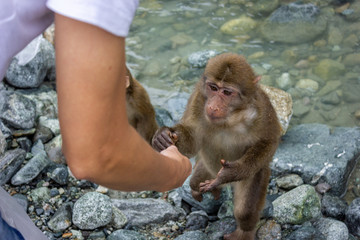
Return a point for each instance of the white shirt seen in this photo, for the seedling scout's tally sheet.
(23, 20)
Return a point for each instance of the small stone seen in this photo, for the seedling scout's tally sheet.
(289, 181)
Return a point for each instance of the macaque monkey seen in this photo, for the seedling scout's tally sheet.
(140, 112)
(231, 125)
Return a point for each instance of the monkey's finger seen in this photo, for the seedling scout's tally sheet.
(165, 139)
(174, 137)
(157, 145)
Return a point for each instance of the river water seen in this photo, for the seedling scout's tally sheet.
(322, 72)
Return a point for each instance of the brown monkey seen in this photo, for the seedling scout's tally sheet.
(231, 125)
(140, 112)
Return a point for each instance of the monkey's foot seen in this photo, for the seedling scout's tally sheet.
(197, 195)
(239, 234)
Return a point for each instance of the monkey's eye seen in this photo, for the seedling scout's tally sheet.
(213, 88)
(227, 92)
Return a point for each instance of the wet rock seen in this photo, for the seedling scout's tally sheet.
(334, 207)
(264, 7)
(332, 229)
(351, 92)
(304, 21)
(60, 174)
(200, 59)
(31, 169)
(197, 220)
(332, 98)
(289, 181)
(92, 210)
(29, 68)
(336, 152)
(125, 235)
(22, 200)
(330, 86)
(191, 235)
(10, 163)
(270, 230)
(306, 232)
(297, 206)
(44, 134)
(329, 69)
(140, 212)
(353, 12)
(208, 204)
(40, 195)
(176, 105)
(18, 111)
(307, 84)
(239, 26)
(284, 81)
(219, 228)
(282, 103)
(352, 60)
(300, 109)
(226, 209)
(62, 218)
(352, 217)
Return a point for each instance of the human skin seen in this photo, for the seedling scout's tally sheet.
(98, 142)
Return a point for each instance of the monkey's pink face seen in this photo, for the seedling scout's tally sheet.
(220, 98)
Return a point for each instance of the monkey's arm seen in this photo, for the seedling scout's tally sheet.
(98, 142)
(255, 158)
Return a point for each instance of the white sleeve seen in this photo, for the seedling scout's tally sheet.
(114, 16)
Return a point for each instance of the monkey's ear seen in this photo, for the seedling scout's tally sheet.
(257, 79)
(127, 79)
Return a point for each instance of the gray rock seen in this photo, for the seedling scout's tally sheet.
(297, 206)
(332, 229)
(119, 219)
(10, 163)
(22, 200)
(318, 154)
(192, 235)
(208, 204)
(289, 181)
(305, 233)
(29, 68)
(40, 195)
(352, 217)
(31, 169)
(218, 229)
(270, 230)
(125, 235)
(333, 206)
(200, 59)
(3, 143)
(226, 209)
(60, 174)
(18, 111)
(141, 212)
(92, 210)
(351, 92)
(62, 218)
(303, 21)
(197, 220)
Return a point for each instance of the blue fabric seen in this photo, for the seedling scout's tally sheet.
(9, 233)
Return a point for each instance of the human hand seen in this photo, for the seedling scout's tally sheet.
(185, 164)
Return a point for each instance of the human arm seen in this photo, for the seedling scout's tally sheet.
(98, 142)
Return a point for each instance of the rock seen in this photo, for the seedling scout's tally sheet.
(125, 235)
(191, 235)
(53, 124)
(200, 59)
(284, 81)
(176, 105)
(329, 69)
(22, 200)
(226, 209)
(208, 204)
(3, 143)
(352, 60)
(10, 163)
(60, 174)
(282, 103)
(270, 230)
(333, 206)
(330, 86)
(303, 21)
(297, 206)
(351, 92)
(219, 228)
(335, 36)
(141, 212)
(238, 26)
(197, 220)
(45, 99)
(31, 169)
(62, 218)
(332, 98)
(18, 111)
(119, 219)
(307, 84)
(336, 152)
(29, 68)
(352, 13)
(332, 229)
(44, 134)
(92, 210)
(352, 217)
(306, 232)
(40, 195)
(289, 181)
(264, 7)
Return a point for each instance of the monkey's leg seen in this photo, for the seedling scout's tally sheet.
(249, 199)
(200, 174)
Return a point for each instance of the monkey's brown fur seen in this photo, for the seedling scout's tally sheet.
(140, 112)
(231, 125)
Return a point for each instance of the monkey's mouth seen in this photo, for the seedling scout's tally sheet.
(214, 119)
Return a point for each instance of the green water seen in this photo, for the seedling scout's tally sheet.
(165, 33)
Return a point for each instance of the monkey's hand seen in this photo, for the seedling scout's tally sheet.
(164, 138)
(228, 173)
